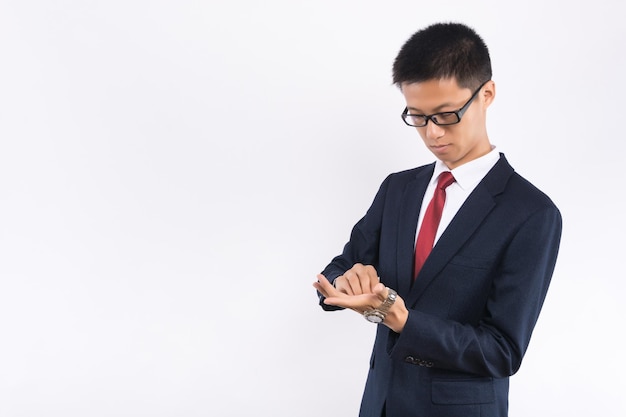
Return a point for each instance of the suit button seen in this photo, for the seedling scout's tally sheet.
(410, 359)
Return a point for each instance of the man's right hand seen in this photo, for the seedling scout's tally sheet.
(360, 279)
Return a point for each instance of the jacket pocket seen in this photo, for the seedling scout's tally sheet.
(463, 391)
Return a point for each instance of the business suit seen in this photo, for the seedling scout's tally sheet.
(474, 304)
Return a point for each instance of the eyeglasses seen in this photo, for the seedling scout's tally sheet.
(441, 119)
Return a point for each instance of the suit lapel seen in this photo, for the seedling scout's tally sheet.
(407, 224)
(469, 217)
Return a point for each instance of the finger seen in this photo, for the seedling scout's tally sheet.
(325, 287)
(381, 291)
(362, 302)
(356, 302)
(367, 276)
(374, 282)
(342, 285)
(353, 282)
(372, 277)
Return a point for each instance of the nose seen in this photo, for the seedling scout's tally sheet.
(433, 131)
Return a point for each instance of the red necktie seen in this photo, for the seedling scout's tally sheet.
(430, 223)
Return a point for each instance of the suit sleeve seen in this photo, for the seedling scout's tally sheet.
(496, 345)
(363, 244)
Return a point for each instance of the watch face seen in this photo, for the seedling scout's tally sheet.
(374, 316)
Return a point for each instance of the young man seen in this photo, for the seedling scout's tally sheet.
(452, 259)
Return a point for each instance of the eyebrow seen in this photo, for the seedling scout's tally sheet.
(436, 109)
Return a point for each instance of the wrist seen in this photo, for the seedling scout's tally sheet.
(378, 315)
(397, 317)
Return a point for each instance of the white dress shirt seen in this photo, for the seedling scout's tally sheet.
(467, 177)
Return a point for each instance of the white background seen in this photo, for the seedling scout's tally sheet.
(173, 174)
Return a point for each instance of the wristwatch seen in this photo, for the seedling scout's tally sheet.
(377, 315)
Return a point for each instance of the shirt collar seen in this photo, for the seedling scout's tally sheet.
(470, 173)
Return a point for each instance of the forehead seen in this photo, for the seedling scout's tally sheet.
(434, 95)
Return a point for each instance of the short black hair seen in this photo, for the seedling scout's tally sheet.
(442, 51)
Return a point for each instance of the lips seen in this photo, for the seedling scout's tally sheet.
(440, 148)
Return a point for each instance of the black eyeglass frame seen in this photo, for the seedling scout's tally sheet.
(433, 117)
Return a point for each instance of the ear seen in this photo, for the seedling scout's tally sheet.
(488, 93)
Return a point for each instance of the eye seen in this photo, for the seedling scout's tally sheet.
(417, 118)
(445, 118)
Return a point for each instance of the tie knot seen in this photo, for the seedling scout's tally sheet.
(445, 179)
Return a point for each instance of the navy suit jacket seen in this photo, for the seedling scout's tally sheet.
(474, 304)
